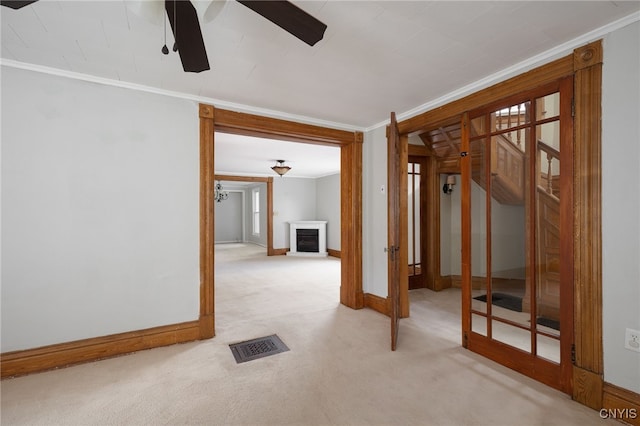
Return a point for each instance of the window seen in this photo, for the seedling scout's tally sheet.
(255, 197)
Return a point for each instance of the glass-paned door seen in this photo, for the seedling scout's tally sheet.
(518, 285)
(415, 216)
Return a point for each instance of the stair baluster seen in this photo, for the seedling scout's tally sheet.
(518, 138)
(549, 176)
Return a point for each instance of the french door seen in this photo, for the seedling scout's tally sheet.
(393, 232)
(517, 251)
(417, 222)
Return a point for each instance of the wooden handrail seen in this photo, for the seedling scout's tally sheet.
(548, 149)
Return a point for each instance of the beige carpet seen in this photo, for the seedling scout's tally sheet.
(339, 370)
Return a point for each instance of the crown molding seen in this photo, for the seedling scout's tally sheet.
(516, 69)
(218, 103)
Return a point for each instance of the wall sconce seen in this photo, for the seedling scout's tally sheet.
(448, 187)
(280, 168)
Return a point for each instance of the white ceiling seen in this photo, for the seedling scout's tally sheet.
(250, 156)
(375, 57)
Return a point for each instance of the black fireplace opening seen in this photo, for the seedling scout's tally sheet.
(307, 240)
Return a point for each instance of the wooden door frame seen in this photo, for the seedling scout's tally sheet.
(430, 218)
(585, 64)
(269, 181)
(350, 143)
(424, 217)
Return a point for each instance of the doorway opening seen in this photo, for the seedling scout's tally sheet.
(350, 143)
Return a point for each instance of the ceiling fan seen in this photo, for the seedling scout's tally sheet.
(183, 17)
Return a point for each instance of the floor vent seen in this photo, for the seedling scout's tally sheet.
(257, 348)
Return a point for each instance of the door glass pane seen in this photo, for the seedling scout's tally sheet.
(548, 157)
(508, 230)
(478, 231)
(510, 117)
(548, 347)
(479, 324)
(511, 335)
(508, 225)
(410, 218)
(548, 240)
(548, 106)
(478, 127)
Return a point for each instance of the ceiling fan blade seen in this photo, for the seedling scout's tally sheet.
(16, 4)
(290, 18)
(186, 31)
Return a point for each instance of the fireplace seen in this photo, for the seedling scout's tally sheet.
(308, 238)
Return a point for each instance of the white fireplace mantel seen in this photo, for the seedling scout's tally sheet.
(320, 225)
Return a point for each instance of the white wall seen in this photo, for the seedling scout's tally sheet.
(621, 203)
(328, 207)
(99, 210)
(293, 199)
(230, 217)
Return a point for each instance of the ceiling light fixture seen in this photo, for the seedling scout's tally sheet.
(220, 194)
(280, 168)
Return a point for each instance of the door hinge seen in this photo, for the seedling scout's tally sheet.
(573, 353)
(392, 251)
(573, 107)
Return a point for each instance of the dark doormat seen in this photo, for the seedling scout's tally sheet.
(506, 301)
(547, 322)
(257, 348)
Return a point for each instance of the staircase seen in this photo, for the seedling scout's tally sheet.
(507, 170)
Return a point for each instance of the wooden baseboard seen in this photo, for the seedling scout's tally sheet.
(377, 303)
(28, 361)
(442, 283)
(620, 404)
(334, 253)
(477, 283)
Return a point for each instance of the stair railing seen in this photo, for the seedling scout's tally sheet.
(552, 154)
